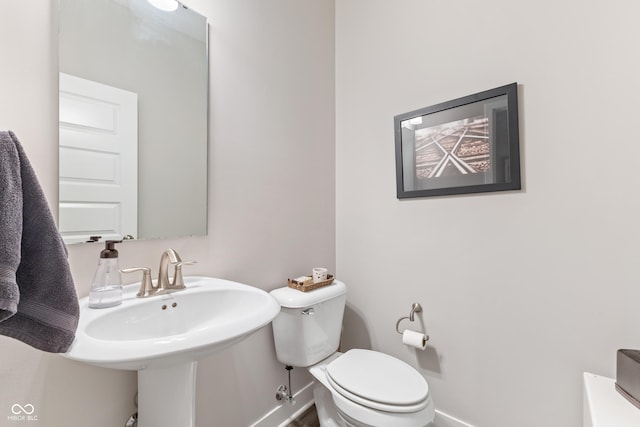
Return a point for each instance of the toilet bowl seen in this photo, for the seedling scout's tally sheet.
(360, 388)
(381, 402)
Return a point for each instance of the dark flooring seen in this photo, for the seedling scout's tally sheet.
(308, 419)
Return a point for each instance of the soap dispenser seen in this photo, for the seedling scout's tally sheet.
(106, 287)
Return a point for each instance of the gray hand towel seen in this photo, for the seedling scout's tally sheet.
(38, 301)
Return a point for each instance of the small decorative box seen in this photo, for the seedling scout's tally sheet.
(628, 375)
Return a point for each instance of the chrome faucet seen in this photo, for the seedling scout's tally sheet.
(163, 285)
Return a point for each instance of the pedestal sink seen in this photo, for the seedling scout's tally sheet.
(163, 336)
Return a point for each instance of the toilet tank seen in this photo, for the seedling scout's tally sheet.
(308, 327)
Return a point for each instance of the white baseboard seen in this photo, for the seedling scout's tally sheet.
(285, 413)
(445, 420)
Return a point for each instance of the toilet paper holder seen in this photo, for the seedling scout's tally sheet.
(415, 308)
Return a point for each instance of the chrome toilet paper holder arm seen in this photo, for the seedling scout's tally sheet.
(415, 308)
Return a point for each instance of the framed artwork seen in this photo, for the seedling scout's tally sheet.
(467, 145)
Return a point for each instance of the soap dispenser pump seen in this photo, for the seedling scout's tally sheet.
(106, 287)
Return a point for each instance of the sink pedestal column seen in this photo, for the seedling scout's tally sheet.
(167, 396)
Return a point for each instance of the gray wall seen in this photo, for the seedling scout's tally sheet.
(522, 291)
(274, 61)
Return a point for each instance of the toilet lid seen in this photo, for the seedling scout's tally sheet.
(377, 380)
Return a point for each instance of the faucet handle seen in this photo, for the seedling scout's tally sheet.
(146, 285)
(178, 280)
(181, 263)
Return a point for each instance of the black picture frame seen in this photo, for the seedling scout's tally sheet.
(467, 145)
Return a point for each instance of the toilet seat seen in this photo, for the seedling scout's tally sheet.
(378, 381)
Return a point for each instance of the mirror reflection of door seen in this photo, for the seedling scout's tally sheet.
(98, 160)
(163, 58)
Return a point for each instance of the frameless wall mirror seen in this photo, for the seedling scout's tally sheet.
(133, 120)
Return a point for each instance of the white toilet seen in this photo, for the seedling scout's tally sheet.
(360, 388)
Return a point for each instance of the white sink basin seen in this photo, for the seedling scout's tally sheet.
(163, 336)
(162, 330)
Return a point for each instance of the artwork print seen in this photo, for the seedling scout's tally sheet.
(468, 145)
